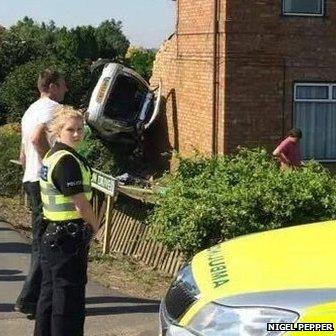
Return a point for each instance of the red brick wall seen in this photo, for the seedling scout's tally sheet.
(266, 54)
(185, 66)
(261, 55)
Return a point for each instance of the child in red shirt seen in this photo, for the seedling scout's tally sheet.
(288, 152)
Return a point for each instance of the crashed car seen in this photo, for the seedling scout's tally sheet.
(279, 282)
(122, 104)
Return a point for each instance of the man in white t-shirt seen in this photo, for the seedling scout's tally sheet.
(34, 146)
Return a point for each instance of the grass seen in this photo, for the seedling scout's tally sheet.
(121, 272)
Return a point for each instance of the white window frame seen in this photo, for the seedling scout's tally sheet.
(302, 14)
(314, 100)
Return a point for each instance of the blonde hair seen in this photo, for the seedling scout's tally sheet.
(60, 117)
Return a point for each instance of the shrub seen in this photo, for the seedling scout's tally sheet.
(19, 89)
(141, 60)
(111, 158)
(10, 174)
(209, 200)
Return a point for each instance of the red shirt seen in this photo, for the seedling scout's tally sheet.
(291, 150)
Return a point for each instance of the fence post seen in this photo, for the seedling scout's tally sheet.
(107, 230)
(108, 185)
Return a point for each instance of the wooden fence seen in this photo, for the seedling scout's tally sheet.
(121, 211)
(124, 231)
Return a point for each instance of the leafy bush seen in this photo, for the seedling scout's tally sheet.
(111, 158)
(141, 60)
(27, 47)
(10, 174)
(209, 200)
(19, 89)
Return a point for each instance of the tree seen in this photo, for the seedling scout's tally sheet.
(141, 60)
(27, 47)
(25, 42)
(19, 90)
(111, 41)
(87, 45)
(65, 46)
(13, 52)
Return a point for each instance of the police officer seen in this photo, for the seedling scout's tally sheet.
(66, 193)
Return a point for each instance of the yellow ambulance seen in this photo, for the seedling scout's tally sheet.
(279, 282)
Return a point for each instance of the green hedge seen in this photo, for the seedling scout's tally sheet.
(211, 200)
(110, 158)
(10, 174)
(19, 89)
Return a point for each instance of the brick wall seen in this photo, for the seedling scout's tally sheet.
(184, 64)
(266, 54)
(261, 55)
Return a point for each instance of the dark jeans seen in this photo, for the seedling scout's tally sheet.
(27, 300)
(61, 306)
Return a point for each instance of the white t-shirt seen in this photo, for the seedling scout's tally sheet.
(38, 113)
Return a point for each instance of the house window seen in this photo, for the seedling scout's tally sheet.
(303, 7)
(315, 115)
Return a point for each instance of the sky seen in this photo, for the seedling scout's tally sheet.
(146, 23)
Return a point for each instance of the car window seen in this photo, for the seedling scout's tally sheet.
(126, 99)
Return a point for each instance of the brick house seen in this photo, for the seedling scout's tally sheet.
(240, 72)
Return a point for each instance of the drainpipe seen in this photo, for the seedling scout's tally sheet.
(215, 80)
(283, 97)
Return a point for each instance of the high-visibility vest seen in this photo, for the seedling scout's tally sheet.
(56, 206)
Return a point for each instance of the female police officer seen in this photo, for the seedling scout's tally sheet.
(66, 192)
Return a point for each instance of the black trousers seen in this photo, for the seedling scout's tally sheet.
(27, 299)
(61, 306)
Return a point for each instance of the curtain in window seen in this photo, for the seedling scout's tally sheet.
(303, 6)
(312, 92)
(318, 124)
